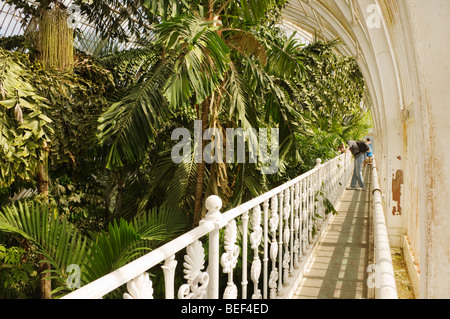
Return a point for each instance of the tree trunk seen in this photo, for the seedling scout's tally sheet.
(46, 282)
(198, 208)
(201, 168)
(120, 181)
(55, 45)
(42, 179)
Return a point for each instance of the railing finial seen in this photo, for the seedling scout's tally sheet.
(213, 205)
(318, 162)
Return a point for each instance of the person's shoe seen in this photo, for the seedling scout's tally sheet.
(360, 188)
(351, 188)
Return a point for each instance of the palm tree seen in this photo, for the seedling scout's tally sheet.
(64, 247)
(214, 63)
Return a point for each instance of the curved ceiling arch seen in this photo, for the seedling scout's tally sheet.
(402, 49)
(346, 20)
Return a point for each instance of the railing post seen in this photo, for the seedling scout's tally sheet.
(273, 223)
(292, 229)
(169, 276)
(213, 205)
(280, 242)
(244, 254)
(318, 189)
(266, 248)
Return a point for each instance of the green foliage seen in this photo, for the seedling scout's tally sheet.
(130, 124)
(50, 109)
(24, 126)
(124, 241)
(202, 59)
(54, 237)
(109, 18)
(254, 76)
(115, 192)
(76, 99)
(98, 254)
(334, 87)
(17, 43)
(18, 278)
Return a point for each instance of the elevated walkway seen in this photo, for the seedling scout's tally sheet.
(288, 246)
(338, 269)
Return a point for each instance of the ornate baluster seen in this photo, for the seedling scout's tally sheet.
(328, 175)
(313, 204)
(139, 288)
(297, 246)
(229, 259)
(321, 199)
(244, 254)
(291, 222)
(213, 205)
(280, 242)
(304, 229)
(169, 275)
(317, 192)
(332, 177)
(273, 223)
(197, 280)
(286, 235)
(255, 241)
(310, 209)
(266, 245)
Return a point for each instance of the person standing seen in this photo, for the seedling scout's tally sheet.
(341, 148)
(358, 155)
(369, 153)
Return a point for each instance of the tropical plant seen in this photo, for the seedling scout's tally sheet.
(224, 62)
(205, 61)
(24, 126)
(62, 245)
(18, 277)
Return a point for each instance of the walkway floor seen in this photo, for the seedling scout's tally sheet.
(338, 269)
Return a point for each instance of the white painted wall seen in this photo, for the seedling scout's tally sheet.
(405, 62)
(429, 22)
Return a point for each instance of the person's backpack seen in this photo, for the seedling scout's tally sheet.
(363, 147)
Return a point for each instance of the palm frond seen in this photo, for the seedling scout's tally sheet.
(169, 222)
(110, 250)
(247, 44)
(130, 65)
(253, 12)
(237, 99)
(127, 240)
(202, 59)
(286, 62)
(130, 125)
(181, 184)
(55, 237)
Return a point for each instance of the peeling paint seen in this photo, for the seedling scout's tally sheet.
(397, 183)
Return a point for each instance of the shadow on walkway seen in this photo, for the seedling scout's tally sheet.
(338, 269)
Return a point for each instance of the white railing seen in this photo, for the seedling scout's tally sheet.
(276, 230)
(385, 286)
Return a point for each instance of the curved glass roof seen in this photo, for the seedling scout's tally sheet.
(12, 22)
(87, 39)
